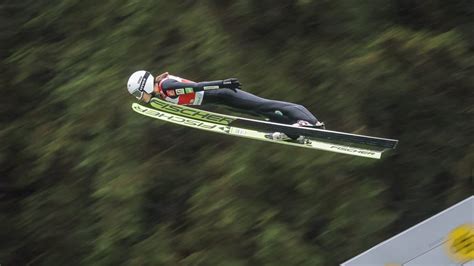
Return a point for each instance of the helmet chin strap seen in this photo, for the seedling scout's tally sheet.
(153, 93)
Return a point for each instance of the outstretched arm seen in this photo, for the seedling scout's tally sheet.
(173, 87)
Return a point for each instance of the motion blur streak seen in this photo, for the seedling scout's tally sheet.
(86, 181)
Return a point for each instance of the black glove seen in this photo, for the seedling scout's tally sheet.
(231, 83)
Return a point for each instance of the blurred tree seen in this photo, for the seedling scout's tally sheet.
(83, 180)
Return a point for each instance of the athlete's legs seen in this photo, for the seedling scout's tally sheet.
(276, 111)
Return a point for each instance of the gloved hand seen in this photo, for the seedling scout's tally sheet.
(231, 83)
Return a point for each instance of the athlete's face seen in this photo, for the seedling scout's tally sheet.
(146, 97)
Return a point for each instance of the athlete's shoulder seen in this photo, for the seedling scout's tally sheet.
(180, 79)
(167, 76)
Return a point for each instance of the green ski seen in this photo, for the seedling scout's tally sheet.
(228, 125)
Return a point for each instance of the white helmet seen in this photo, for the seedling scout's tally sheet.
(139, 82)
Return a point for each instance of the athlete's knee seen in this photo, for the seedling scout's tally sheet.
(300, 107)
(299, 112)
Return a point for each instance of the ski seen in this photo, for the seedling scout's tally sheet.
(259, 125)
(218, 126)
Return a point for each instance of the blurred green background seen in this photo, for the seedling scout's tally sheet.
(84, 180)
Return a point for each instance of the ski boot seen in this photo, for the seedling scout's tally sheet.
(280, 136)
(303, 123)
(319, 125)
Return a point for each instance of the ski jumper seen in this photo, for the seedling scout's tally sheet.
(182, 91)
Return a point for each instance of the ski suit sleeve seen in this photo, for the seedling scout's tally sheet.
(192, 87)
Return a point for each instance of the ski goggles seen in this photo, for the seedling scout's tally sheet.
(138, 94)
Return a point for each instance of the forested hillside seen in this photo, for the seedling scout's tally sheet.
(86, 181)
